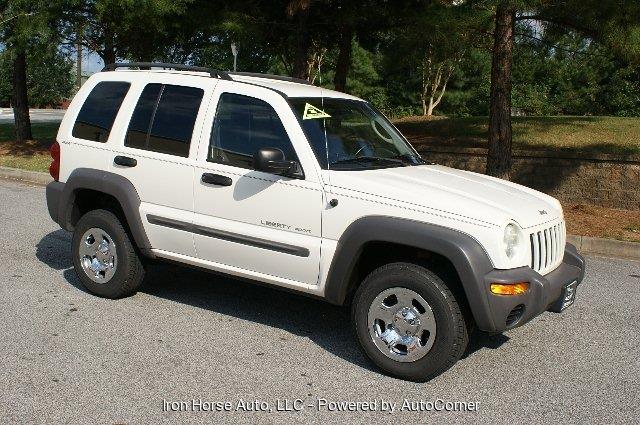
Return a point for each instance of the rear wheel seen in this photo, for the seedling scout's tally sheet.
(408, 322)
(104, 257)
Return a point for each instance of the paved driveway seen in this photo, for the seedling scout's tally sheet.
(36, 115)
(69, 357)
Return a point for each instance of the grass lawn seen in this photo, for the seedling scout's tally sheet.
(34, 155)
(577, 134)
(597, 134)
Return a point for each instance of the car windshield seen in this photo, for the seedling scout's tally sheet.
(350, 134)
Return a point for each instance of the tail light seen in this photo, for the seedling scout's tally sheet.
(54, 168)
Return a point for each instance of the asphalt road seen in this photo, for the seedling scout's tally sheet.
(70, 357)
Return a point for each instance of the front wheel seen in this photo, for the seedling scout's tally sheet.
(408, 322)
(104, 257)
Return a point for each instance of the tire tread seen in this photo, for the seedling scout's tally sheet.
(460, 333)
(134, 267)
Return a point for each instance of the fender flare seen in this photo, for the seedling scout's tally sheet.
(465, 253)
(112, 184)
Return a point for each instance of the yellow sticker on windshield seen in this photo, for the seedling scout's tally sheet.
(311, 112)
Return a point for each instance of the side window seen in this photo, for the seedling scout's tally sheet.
(242, 126)
(164, 118)
(142, 116)
(99, 111)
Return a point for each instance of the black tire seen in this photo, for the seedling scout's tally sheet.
(451, 337)
(129, 269)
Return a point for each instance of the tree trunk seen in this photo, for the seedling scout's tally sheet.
(20, 98)
(79, 61)
(109, 51)
(302, 44)
(499, 155)
(344, 59)
(109, 56)
(430, 108)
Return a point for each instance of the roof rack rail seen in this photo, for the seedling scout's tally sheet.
(177, 66)
(271, 77)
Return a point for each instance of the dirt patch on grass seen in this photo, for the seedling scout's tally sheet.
(32, 155)
(600, 222)
(29, 148)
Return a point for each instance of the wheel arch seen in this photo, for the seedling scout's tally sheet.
(414, 239)
(85, 181)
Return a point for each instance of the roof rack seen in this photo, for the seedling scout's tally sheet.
(178, 67)
(223, 75)
(271, 77)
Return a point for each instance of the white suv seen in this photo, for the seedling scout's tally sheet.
(278, 181)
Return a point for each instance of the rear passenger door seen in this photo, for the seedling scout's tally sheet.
(250, 222)
(156, 153)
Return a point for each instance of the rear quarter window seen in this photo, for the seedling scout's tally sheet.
(96, 117)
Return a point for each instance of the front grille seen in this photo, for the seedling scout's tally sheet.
(547, 248)
(515, 314)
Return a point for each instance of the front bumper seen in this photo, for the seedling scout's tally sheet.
(510, 311)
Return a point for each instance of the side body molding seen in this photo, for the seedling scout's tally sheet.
(112, 184)
(467, 255)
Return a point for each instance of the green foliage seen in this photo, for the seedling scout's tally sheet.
(49, 76)
(364, 79)
(140, 30)
(468, 93)
(568, 75)
(580, 57)
(621, 95)
(24, 21)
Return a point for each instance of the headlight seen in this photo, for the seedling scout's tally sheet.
(512, 239)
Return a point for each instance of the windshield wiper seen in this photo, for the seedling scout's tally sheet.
(360, 159)
(410, 159)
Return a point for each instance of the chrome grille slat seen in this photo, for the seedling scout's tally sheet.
(555, 244)
(547, 247)
(550, 256)
(543, 250)
(535, 250)
(552, 236)
(547, 241)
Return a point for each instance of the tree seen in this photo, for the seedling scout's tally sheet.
(299, 10)
(23, 23)
(141, 31)
(431, 43)
(49, 78)
(343, 61)
(500, 133)
(611, 22)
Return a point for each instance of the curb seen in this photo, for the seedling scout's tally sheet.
(585, 244)
(35, 177)
(606, 247)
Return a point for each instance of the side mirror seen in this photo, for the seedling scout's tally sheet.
(272, 160)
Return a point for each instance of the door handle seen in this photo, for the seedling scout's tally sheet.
(125, 161)
(216, 179)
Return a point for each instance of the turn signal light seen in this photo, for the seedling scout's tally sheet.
(510, 288)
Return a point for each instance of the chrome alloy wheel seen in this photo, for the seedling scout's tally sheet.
(98, 256)
(401, 324)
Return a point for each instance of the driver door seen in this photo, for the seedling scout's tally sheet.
(247, 221)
